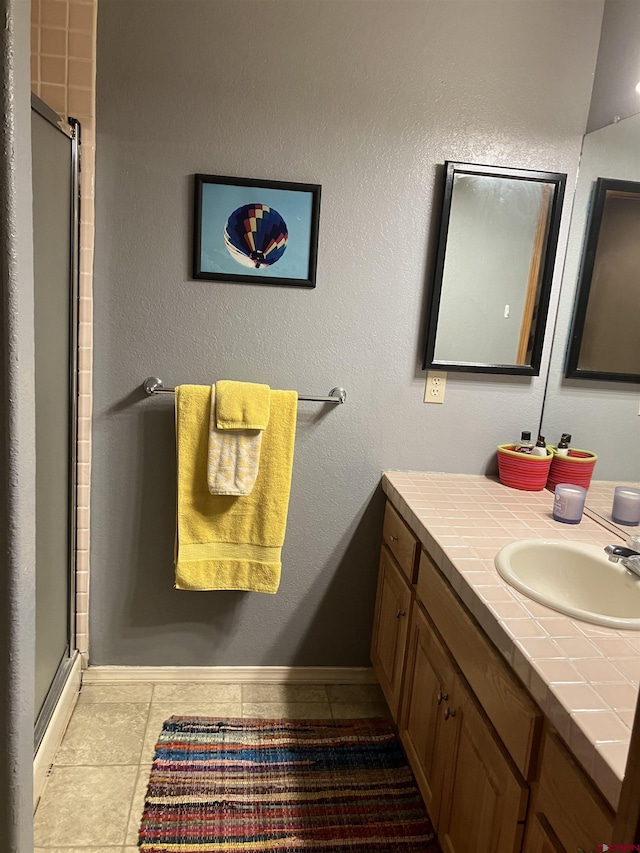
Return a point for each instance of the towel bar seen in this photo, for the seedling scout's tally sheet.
(153, 385)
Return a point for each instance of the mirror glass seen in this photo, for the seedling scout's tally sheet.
(490, 297)
(601, 416)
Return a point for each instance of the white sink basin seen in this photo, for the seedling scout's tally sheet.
(575, 578)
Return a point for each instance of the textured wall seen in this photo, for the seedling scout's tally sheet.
(17, 437)
(367, 99)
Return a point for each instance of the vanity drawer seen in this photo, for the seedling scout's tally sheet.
(574, 809)
(514, 715)
(400, 541)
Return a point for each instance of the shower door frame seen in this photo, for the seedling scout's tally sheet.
(71, 129)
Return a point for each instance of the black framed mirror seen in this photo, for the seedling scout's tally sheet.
(605, 335)
(494, 265)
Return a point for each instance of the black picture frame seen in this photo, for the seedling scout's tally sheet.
(280, 249)
(557, 180)
(603, 186)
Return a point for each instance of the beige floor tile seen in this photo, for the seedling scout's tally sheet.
(137, 805)
(287, 710)
(353, 710)
(85, 806)
(163, 710)
(195, 692)
(354, 693)
(104, 733)
(94, 693)
(284, 693)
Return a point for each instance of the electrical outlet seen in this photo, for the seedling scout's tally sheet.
(435, 386)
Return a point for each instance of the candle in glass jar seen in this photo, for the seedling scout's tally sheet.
(626, 506)
(568, 503)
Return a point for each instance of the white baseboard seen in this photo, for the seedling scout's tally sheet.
(228, 674)
(55, 730)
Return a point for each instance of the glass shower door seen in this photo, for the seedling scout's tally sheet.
(55, 215)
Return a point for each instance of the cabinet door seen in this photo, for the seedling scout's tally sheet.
(539, 837)
(573, 807)
(390, 630)
(428, 685)
(485, 797)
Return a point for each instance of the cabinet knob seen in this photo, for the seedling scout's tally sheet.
(449, 713)
(393, 538)
(401, 613)
(442, 696)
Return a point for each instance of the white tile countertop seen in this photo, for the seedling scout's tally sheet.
(584, 677)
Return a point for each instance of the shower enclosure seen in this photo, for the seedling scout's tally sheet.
(55, 175)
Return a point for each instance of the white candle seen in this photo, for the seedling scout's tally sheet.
(626, 506)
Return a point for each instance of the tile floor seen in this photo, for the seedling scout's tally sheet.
(93, 798)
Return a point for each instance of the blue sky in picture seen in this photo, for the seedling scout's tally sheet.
(220, 200)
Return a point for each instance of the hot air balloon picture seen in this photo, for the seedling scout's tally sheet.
(256, 235)
(256, 232)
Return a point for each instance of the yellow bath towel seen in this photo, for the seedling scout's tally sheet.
(225, 542)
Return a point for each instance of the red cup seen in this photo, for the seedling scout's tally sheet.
(575, 468)
(522, 470)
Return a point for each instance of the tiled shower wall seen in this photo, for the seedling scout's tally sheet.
(63, 73)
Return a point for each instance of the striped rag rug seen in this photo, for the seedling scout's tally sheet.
(282, 785)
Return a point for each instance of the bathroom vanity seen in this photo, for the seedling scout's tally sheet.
(515, 719)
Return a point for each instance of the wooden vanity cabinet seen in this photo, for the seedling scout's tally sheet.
(398, 569)
(388, 644)
(428, 739)
(539, 837)
(566, 810)
(489, 768)
(485, 802)
(474, 794)
(401, 543)
(511, 711)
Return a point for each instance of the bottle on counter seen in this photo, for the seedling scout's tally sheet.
(541, 447)
(563, 445)
(525, 445)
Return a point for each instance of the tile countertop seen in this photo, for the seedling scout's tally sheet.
(584, 677)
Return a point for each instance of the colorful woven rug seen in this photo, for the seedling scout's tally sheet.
(282, 785)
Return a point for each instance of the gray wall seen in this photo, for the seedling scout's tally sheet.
(367, 99)
(17, 437)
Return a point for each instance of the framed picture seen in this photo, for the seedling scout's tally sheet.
(258, 232)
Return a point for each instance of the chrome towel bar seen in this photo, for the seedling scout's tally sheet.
(153, 385)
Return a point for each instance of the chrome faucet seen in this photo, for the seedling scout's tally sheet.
(629, 558)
